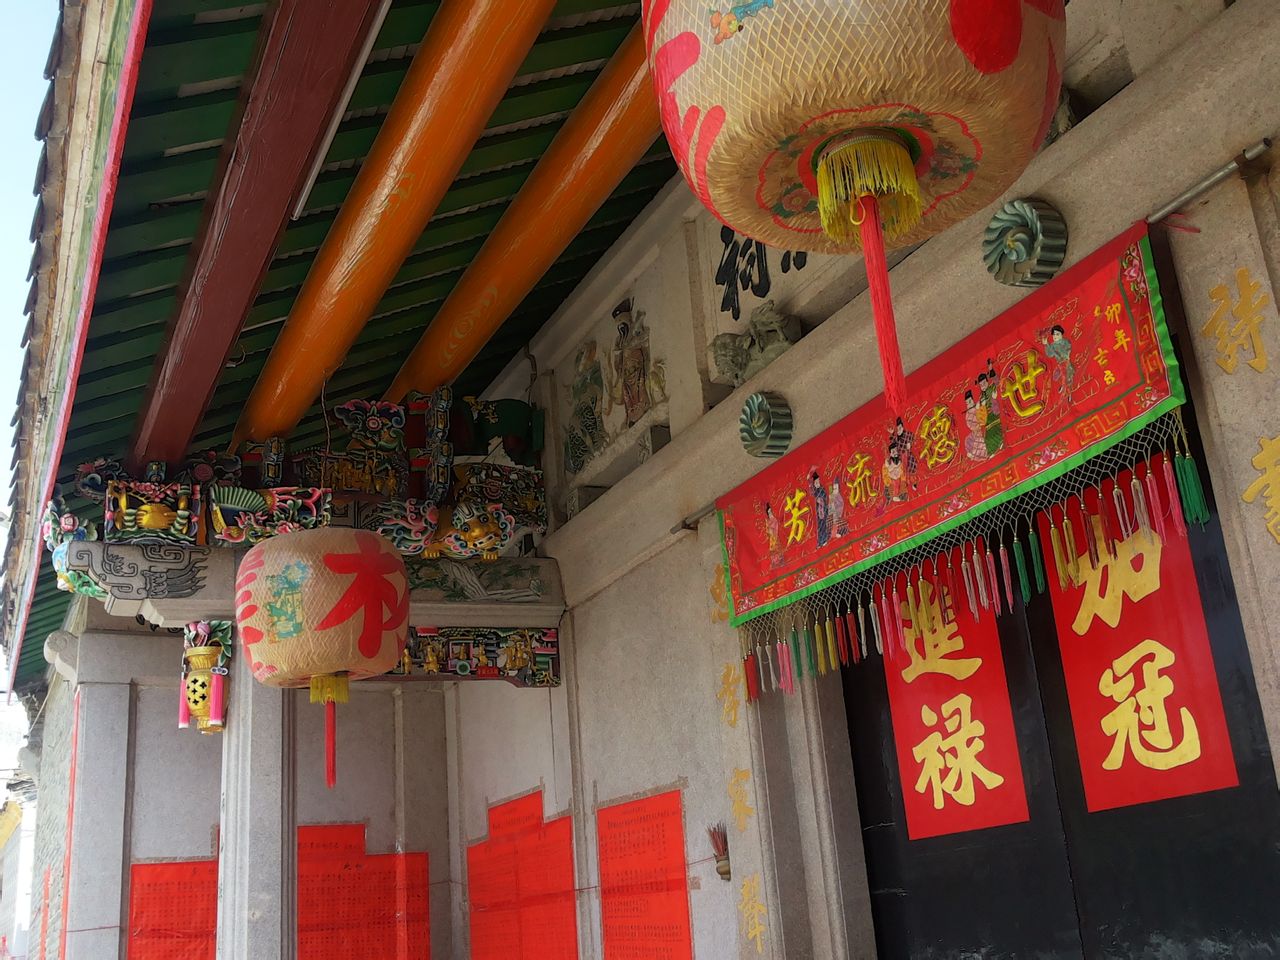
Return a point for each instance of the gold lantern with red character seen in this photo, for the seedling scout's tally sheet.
(832, 125)
(319, 608)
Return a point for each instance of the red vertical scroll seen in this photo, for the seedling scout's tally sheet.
(952, 720)
(1141, 682)
(173, 910)
(357, 906)
(520, 883)
(644, 888)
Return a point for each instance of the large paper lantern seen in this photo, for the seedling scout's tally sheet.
(319, 608)
(830, 125)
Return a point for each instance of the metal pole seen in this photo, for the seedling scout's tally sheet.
(1211, 181)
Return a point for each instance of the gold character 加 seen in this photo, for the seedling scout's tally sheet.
(1134, 572)
(949, 765)
(1140, 721)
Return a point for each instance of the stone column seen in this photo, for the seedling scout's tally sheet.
(257, 899)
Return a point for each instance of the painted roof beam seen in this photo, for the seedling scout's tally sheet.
(459, 75)
(611, 129)
(308, 52)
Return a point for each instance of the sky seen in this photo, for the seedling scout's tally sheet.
(24, 47)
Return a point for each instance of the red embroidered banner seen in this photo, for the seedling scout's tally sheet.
(1141, 682)
(952, 720)
(644, 887)
(521, 886)
(1080, 364)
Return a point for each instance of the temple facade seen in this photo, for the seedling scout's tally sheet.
(695, 645)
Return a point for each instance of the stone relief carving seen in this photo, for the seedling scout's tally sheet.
(148, 571)
(770, 334)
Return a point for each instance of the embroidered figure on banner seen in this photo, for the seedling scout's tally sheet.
(1140, 721)
(975, 419)
(949, 765)
(753, 912)
(1058, 348)
(1246, 330)
(1267, 462)
(773, 531)
(905, 442)
(989, 398)
(835, 505)
(821, 512)
(744, 265)
(741, 809)
(729, 694)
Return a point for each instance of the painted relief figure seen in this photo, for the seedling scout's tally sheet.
(975, 419)
(585, 433)
(821, 508)
(630, 364)
(1057, 346)
(989, 393)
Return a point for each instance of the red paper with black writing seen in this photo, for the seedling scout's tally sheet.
(353, 904)
(1078, 365)
(1141, 682)
(173, 910)
(520, 883)
(644, 888)
(952, 720)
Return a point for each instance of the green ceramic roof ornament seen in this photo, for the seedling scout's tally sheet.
(765, 425)
(1025, 243)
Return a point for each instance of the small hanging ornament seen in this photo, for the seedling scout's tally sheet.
(206, 655)
(320, 608)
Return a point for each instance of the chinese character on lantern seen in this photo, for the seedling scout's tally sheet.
(1022, 388)
(1246, 331)
(1267, 462)
(938, 437)
(931, 641)
(1140, 721)
(795, 522)
(949, 764)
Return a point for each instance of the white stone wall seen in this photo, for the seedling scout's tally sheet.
(1179, 88)
(51, 818)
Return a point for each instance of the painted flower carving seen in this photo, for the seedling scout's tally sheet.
(990, 31)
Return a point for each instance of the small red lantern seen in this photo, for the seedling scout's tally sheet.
(319, 608)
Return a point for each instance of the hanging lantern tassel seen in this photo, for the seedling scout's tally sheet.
(1024, 582)
(869, 182)
(1037, 561)
(1171, 486)
(217, 699)
(330, 689)
(1154, 509)
(1194, 506)
(1008, 577)
(184, 708)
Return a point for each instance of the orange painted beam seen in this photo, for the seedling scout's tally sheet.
(608, 133)
(467, 61)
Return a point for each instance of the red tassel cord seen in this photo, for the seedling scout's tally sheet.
(1090, 533)
(841, 640)
(899, 629)
(862, 630)
(852, 634)
(883, 635)
(967, 572)
(951, 591)
(992, 580)
(184, 708)
(877, 266)
(980, 578)
(1175, 504)
(1008, 581)
(752, 679)
(1108, 542)
(331, 744)
(1141, 517)
(1122, 511)
(1154, 509)
(216, 697)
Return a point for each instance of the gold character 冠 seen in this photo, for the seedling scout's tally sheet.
(1140, 721)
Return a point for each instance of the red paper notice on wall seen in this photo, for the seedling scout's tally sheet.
(644, 887)
(356, 906)
(173, 910)
(521, 886)
(952, 720)
(1143, 689)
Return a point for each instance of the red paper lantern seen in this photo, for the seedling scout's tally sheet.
(319, 608)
